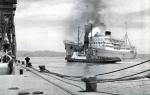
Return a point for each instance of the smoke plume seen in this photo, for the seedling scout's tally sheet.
(85, 11)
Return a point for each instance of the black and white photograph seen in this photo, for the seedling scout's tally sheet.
(74, 47)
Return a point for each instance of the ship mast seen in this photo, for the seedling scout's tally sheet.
(78, 34)
(91, 34)
(126, 36)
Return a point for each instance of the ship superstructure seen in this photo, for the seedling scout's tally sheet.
(105, 45)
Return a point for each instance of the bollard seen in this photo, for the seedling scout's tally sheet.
(23, 62)
(90, 87)
(148, 76)
(38, 92)
(42, 68)
(18, 61)
(29, 64)
(21, 71)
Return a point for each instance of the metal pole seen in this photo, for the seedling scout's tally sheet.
(78, 34)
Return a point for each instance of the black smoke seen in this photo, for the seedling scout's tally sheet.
(85, 11)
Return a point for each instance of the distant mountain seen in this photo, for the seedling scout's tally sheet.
(143, 56)
(40, 54)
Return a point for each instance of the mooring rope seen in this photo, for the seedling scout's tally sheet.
(65, 81)
(82, 89)
(73, 79)
(125, 78)
(66, 90)
(104, 80)
(61, 75)
(58, 78)
(123, 68)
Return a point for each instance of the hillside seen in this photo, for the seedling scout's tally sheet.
(40, 54)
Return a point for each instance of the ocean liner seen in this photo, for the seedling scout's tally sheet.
(98, 48)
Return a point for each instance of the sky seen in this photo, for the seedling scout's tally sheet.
(44, 24)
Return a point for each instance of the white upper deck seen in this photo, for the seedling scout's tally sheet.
(107, 42)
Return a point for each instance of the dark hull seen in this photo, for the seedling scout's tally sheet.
(102, 60)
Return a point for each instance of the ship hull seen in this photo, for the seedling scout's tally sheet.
(115, 53)
(98, 60)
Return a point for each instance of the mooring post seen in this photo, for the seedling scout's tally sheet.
(148, 76)
(21, 71)
(91, 85)
(29, 64)
(23, 62)
(18, 61)
(42, 68)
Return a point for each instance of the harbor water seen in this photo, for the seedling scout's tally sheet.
(134, 87)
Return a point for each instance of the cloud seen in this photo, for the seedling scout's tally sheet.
(126, 6)
(126, 11)
(41, 21)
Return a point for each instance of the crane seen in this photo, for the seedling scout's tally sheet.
(7, 26)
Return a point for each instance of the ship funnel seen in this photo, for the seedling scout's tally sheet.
(88, 29)
(107, 33)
